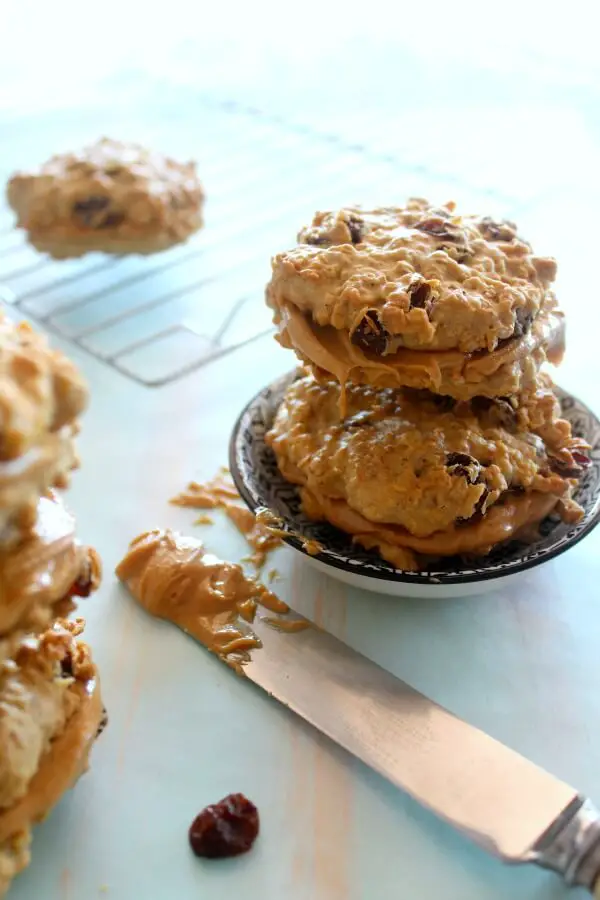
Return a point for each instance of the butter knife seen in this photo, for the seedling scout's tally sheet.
(510, 807)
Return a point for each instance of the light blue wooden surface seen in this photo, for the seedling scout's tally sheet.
(523, 666)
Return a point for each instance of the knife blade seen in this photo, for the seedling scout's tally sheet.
(502, 801)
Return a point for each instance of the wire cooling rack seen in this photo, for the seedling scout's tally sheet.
(157, 318)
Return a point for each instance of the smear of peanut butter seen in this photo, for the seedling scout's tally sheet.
(174, 578)
(221, 493)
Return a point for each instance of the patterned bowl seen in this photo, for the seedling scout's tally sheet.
(257, 478)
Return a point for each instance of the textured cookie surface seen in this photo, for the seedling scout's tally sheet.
(424, 466)
(112, 197)
(418, 276)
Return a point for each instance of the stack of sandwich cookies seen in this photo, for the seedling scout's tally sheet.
(423, 426)
(50, 706)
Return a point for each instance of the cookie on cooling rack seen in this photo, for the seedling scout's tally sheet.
(111, 197)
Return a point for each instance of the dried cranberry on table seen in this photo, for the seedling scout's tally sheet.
(227, 828)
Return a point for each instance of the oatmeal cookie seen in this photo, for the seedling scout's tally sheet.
(112, 197)
(402, 295)
(423, 472)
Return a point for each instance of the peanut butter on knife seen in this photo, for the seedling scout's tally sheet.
(214, 601)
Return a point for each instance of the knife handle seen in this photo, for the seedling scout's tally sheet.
(571, 846)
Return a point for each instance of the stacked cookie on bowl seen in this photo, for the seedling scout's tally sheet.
(422, 425)
(50, 706)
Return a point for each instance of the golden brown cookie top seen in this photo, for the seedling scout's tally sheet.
(418, 276)
(416, 460)
(41, 391)
(109, 190)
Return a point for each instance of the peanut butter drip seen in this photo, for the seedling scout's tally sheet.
(221, 493)
(43, 571)
(517, 517)
(214, 601)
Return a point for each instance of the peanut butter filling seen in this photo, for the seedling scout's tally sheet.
(502, 372)
(501, 523)
(214, 601)
(38, 576)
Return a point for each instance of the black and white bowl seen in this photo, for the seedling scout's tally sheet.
(257, 478)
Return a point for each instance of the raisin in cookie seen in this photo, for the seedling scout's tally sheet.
(415, 295)
(422, 474)
(112, 197)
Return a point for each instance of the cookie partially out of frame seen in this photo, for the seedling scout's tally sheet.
(42, 395)
(51, 715)
(111, 197)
